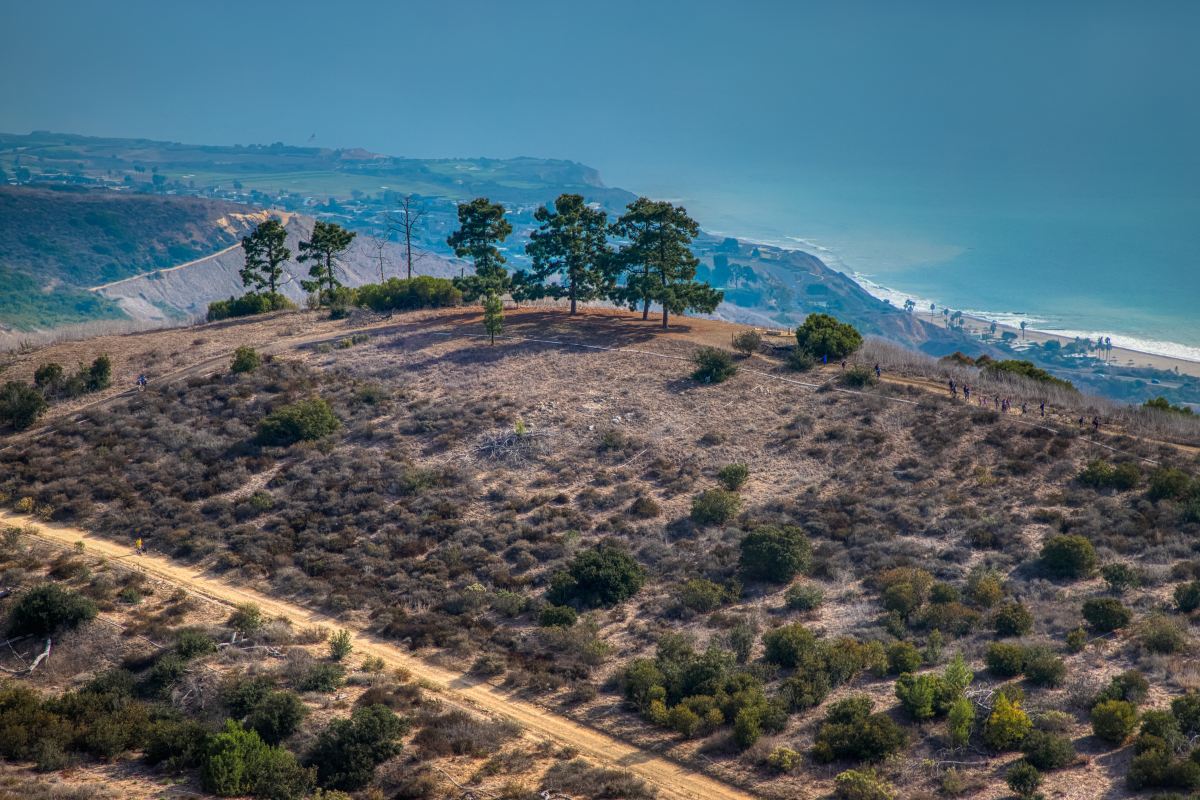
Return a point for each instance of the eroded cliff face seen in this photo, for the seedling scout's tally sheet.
(185, 291)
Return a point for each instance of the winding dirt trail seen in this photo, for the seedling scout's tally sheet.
(670, 778)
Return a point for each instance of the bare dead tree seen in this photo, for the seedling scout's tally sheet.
(404, 222)
(380, 243)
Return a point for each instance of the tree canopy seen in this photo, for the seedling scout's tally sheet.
(326, 245)
(823, 335)
(657, 260)
(481, 226)
(266, 251)
(570, 244)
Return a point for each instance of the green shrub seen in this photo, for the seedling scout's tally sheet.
(557, 617)
(1120, 577)
(747, 342)
(715, 506)
(1130, 686)
(1169, 483)
(1077, 639)
(276, 716)
(1113, 720)
(733, 476)
(601, 576)
(1007, 726)
(959, 721)
(340, 645)
(904, 589)
(713, 365)
(1158, 634)
(803, 597)
(854, 784)
(1186, 709)
(702, 595)
(1100, 474)
(799, 360)
(1012, 619)
(1187, 596)
(191, 642)
(1048, 751)
(790, 645)
(347, 751)
(645, 508)
(20, 405)
(1044, 668)
(1157, 768)
(824, 336)
(858, 377)
(850, 730)
(903, 657)
(1026, 369)
(1068, 556)
(237, 762)
(47, 608)
(245, 359)
(1005, 660)
(246, 619)
(303, 421)
(775, 554)
(99, 374)
(1024, 779)
(405, 294)
(321, 677)
(248, 305)
(1106, 614)
(784, 759)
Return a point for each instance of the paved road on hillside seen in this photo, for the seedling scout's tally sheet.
(670, 778)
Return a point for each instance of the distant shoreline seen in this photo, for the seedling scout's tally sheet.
(1124, 355)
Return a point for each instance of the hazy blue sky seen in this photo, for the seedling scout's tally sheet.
(904, 134)
(650, 92)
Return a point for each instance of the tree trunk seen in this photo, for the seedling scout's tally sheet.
(664, 323)
(645, 308)
(572, 293)
(408, 248)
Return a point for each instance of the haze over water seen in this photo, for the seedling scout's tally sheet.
(1029, 158)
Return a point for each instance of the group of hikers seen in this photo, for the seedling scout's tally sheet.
(1004, 405)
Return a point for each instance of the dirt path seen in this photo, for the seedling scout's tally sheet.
(670, 778)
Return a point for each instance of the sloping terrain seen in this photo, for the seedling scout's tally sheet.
(187, 289)
(55, 244)
(466, 477)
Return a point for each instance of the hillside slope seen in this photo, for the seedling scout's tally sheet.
(920, 514)
(55, 244)
(186, 290)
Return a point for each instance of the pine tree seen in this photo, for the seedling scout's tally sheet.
(266, 251)
(481, 226)
(570, 244)
(658, 262)
(493, 315)
(326, 245)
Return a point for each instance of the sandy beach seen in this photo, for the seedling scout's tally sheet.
(1119, 355)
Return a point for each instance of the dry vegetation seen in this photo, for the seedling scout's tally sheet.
(191, 664)
(465, 477)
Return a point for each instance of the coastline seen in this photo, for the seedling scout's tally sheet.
(978, 322)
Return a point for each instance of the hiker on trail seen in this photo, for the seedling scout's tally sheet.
(953, 388)
(1081, 422)
(967, 391)
(1096, 424)
(1024, 408)
(137, 546)
(141, 382)
(877, 372)
(843, 365)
